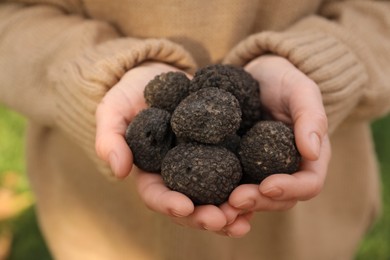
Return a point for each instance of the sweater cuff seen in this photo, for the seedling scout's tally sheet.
(81, 84)
(322, 57)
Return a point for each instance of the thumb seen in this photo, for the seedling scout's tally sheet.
(110, 144)
(309, 119)
(117, 109)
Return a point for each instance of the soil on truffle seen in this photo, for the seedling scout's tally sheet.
(208, 116)
(236, 81)
(268, 148)
(166, 90)
(149, 137)
(206, 174)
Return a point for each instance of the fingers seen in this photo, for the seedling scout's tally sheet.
(160, 198)
(292, 97)
(282, 191)
(302, 185)
(224, 220)
(303, 100)
(177, 206)
(239, 228)
(276, 193)
(237, 224)
(118, 107)
(205, 217)
(310, 127)
(230, 212)
(111, 123)
(249, 197)
(110, 144)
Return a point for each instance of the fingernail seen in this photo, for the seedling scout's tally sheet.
(272, 192)
(113, 159)
(315, 142)
(247, 204)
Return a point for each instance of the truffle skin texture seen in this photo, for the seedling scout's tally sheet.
(166, 90)
(149, 137)
(236, 81)
(231, 143)
(206, 174)
(268, 148)
(207, 116)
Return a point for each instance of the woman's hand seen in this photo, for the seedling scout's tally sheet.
(289, 96)
(117, 109)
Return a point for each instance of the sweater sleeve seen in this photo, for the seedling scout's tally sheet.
(56, 65)
(345, 49)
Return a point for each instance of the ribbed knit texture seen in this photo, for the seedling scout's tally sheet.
(58, 58)
(353, 83)
(89, 77)
(69, 6)
(324, 59)
(73, 64)
(88, 57)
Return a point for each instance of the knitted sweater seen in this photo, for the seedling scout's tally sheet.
(59, 58)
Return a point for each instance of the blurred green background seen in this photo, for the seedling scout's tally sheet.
(20, 238)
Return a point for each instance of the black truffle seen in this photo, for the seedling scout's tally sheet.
(149, 137)
(231, 142)
(204, 173)
(207, 116)
(166, 90)
(268, 148)
(236, 81)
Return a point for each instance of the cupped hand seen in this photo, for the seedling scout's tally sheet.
(224, 219)
(117, 109)
(289, 96)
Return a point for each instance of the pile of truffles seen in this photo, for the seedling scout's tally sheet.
(207, 135)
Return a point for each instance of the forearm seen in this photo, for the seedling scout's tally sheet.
(36, 40)
(337, 57)
(364, 27)
(56, 67)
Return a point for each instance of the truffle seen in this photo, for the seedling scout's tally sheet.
(166, 90)
(268, 148)
(149, 137)
(231, 143)
(208, 115)
(236, 81)
(206, 174)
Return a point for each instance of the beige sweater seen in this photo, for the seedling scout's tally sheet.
(59, 58)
